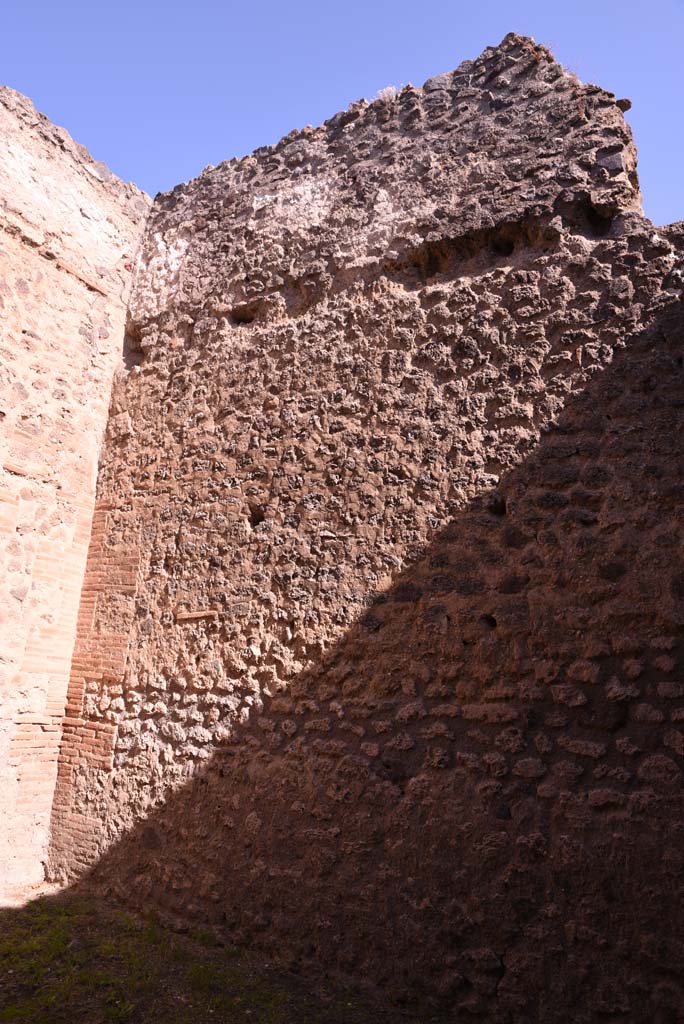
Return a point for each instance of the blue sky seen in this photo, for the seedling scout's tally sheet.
(160, 90)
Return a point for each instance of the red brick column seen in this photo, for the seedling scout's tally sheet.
(98, 664)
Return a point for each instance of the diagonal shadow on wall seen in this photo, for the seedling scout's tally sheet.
(474, 800)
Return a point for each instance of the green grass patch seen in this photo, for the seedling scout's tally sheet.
(68, 959)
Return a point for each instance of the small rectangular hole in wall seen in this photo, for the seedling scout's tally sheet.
(245, 313)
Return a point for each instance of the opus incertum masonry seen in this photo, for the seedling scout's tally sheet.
(378, 661)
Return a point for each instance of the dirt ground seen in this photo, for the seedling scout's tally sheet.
(65, 959)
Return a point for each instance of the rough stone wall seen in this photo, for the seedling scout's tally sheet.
(68, 236)
(379, 656)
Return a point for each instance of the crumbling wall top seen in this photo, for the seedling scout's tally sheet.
(511, 137)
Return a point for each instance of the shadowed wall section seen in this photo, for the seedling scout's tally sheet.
(377, 656)
(475, 797)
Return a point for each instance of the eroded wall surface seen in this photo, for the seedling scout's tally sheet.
(384, 656)
(69, 233)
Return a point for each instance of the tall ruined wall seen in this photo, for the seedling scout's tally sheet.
(383, 667)
(68, 236)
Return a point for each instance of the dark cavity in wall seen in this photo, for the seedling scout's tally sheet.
(256, 515)
(585, 218)
(246, 313)
(132, 348)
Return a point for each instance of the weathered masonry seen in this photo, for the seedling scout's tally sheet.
(68, 237)
(378, 663)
